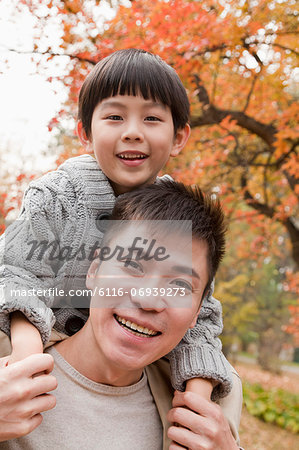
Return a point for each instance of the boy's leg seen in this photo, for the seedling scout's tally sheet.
(5, 347)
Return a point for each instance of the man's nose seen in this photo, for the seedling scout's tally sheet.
(147, 299)
(154, 308)
(155, 304)
(132, 132)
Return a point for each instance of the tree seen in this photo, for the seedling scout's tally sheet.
(237, 59)
(256, 302)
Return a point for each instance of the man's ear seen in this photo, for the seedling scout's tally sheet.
(180, 140)
(87, 144)
(92, 271)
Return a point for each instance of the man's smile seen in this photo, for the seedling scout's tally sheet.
(135, 328)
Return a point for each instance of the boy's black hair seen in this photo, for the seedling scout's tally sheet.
(133, 72)
(168, 200)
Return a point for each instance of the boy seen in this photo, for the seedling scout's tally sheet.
(133, 115)
(119, 381)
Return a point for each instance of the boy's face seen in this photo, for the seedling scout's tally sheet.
(162, 320)
(132, 139)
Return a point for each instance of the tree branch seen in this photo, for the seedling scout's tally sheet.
(261, 207)
(254, 54)
(293, 231)
(281, 33)
(274, 44)
(292, 180)
(202, 93)
(265, 180)
(215, 76)
(213, 115)
(286, 48)
(268, 211)
(212, 49)
(276, 164)
(250, 92)
(50, 53)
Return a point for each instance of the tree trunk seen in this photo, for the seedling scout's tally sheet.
(269, 347)
(294, 237)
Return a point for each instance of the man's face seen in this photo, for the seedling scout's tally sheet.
(132, 139)
(148, 315)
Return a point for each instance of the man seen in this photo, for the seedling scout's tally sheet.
(147, 286)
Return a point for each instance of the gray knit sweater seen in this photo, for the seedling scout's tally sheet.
(64, 208)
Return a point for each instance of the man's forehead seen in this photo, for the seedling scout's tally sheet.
(166, 243)
(153, 255)
(183, 252)
(174, 236)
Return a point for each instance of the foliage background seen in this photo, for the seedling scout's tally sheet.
(238, 60)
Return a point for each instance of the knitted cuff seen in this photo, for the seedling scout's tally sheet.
(35, 311)
(188, 362)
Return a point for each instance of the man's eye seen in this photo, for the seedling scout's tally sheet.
(182, 284)
(133, 265)
(114, 117)
(152, 119)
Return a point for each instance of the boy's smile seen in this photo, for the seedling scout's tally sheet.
(132, 157)
(132, 139)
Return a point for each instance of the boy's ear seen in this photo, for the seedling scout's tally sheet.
(83, 138)
(92, 271)
(180, 140)
(193, 323)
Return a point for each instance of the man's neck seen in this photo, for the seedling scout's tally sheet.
(81, 353)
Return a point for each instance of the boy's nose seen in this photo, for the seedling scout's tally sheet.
(132, 133)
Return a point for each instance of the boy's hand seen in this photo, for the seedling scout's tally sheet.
(21, 352)
(4, 361)
(25, 338)
(201, 386)
(23, 395)
(199, 424)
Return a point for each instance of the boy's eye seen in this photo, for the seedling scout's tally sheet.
(183, 284)
(133, 265)
(114, 117)
(152, 119)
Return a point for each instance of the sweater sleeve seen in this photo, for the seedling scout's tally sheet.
(26, 276)
(199, 354)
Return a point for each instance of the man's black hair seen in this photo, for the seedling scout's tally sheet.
(169, 200)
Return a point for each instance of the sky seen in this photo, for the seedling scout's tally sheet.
(28, 101)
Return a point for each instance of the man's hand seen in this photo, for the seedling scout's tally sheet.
(198, 424)
(23, 395)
